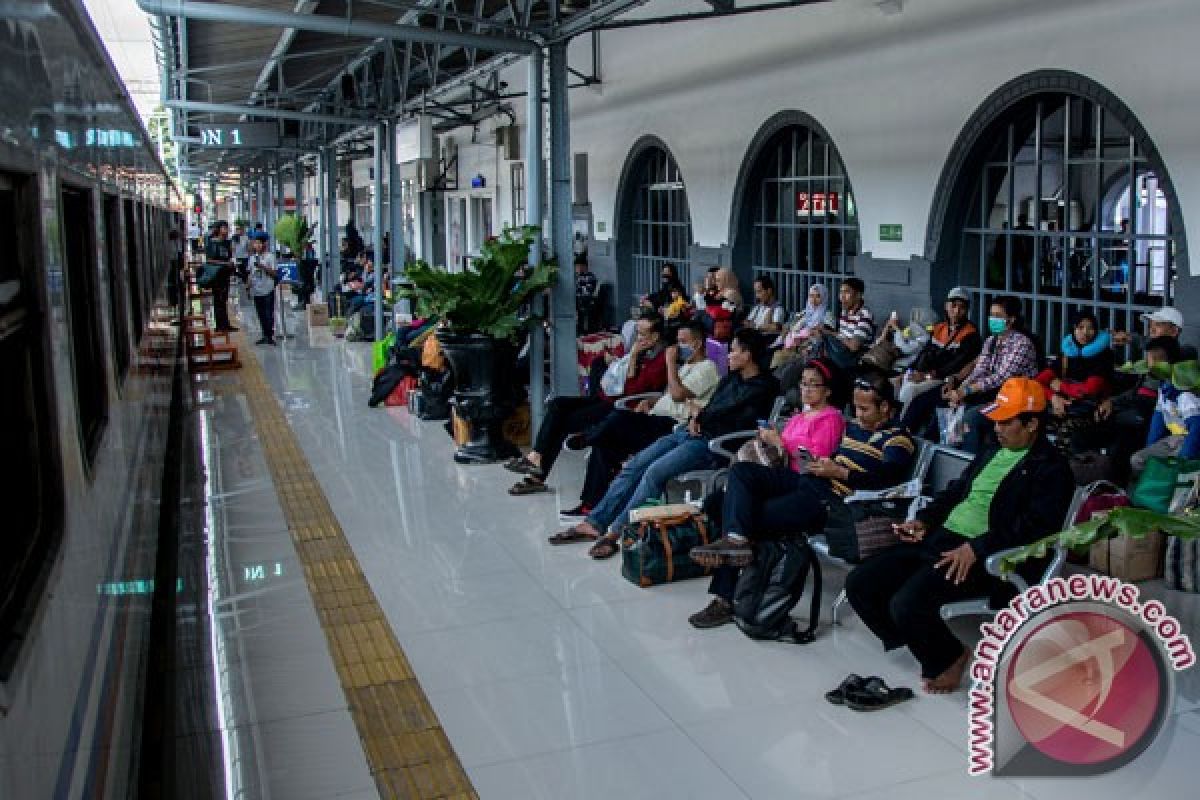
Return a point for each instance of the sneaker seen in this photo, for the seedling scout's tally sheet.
(577, 513)
(576, 442)
(724, 552)
(714, 615)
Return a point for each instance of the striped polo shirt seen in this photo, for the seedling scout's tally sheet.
(876, 459)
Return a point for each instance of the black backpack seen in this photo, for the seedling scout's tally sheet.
(771, 586)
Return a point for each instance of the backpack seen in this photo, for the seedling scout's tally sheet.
(770, 587)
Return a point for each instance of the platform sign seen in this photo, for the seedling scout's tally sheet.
(240, 134)
(891, 233)
(816, 204)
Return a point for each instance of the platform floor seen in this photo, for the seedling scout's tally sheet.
(551, 676)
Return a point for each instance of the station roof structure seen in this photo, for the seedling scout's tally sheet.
(326, 70)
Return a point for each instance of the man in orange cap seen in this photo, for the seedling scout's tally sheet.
(1011, 495)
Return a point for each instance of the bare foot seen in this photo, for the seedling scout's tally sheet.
(949, 680)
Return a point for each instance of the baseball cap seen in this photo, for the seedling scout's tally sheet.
(1016, 396)
(1168, 314)
(958, 293)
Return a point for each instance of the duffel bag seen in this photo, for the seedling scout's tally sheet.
(770, 587)
(655, 551)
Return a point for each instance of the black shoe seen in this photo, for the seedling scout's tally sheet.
(263, 341)
(714, 615)
(577, 513)
(271, 342)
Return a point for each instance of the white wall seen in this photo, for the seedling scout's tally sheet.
(892, 91)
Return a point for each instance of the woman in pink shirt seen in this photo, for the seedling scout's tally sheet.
(816, 431)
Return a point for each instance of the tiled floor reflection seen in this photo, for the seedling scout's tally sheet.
(555, 678)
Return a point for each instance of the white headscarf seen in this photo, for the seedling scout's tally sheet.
(814, 316)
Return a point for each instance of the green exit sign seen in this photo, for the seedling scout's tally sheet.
(891, 233)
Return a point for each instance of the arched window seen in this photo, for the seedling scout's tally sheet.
(1055, 194)
(794, 214)
(654, 224)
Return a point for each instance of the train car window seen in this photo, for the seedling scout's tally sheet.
(117, 303)
(30, 495)
(87, 344)
(133, 268)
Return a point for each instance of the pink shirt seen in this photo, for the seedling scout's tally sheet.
(818, 432)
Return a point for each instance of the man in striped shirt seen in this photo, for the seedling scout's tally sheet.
(875, 453)
(856, 326)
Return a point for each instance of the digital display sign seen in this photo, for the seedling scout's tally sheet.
(241, 134)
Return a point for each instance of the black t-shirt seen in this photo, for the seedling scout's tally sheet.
(218, 250)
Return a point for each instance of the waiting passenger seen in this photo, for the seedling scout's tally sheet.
(743, 396)
(1165, 321)
(1174, 427)
(898, 346)
(765, 502)
(804, 327)
(219, 252)
(647, 372)
(261, 282)
(691, 379)
(846, 345)
(725, 309)
(1009, 352)
(898, 593)
(768, 315)
(1082, 376)
(659, 299)
(951, 350)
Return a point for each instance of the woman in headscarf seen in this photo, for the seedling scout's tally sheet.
(806, 322)
(1083, 375)
(669, 281)
(727, 306)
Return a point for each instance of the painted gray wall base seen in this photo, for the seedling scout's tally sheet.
(895, 285)
(603, 262)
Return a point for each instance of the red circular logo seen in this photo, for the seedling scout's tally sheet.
(1083, 688)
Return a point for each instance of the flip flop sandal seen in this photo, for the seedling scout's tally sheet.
(605, 547)
(521, 465)
(875, 695)
(838, 696)
(529, 485)
(571, 536)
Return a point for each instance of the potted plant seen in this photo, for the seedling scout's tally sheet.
(292, 231)
(481, 310)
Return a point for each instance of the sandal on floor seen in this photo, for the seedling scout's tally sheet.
(875, 695)
(521, 465)
(571, 536)
(530, 485)
(851, 684)
(605, 547)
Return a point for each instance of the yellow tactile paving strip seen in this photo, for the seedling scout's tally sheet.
(406, 748)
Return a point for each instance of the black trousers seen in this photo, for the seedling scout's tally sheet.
(564, 416)
(264, 305)
(898, 595)
(767, 502)
(614, 439)
(220, 295)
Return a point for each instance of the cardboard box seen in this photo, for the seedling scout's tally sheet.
(318, 315)
(1129, 559)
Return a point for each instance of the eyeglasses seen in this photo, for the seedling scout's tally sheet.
(807, 385)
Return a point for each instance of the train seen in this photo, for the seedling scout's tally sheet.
(88, 377)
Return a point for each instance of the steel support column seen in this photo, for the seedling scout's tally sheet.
(377, 223)
(533, 216)
(298, 177)
(395, 206)
(319, 218)
(563, 358)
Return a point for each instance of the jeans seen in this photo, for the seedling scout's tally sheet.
(614, 439)
(264, 304)
(646, 475)
(898, 595)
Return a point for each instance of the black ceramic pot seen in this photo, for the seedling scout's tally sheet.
(482, 394)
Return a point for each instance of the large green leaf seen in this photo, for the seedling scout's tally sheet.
(1136, 523)
(1183, 375)
(487, 297)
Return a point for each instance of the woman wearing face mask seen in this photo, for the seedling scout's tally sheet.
(1083, 374)
(668, 280)
(1008, 352)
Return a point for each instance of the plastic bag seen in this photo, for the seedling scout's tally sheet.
(613, 382)
(951, 425)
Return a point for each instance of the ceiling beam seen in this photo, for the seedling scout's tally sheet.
(267, 113)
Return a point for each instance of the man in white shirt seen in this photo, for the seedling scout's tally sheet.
(767, 315)
(261, 282)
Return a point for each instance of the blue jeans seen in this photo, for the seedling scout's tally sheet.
(646, 476)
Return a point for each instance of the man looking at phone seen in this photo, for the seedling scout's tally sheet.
(1011, 495)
